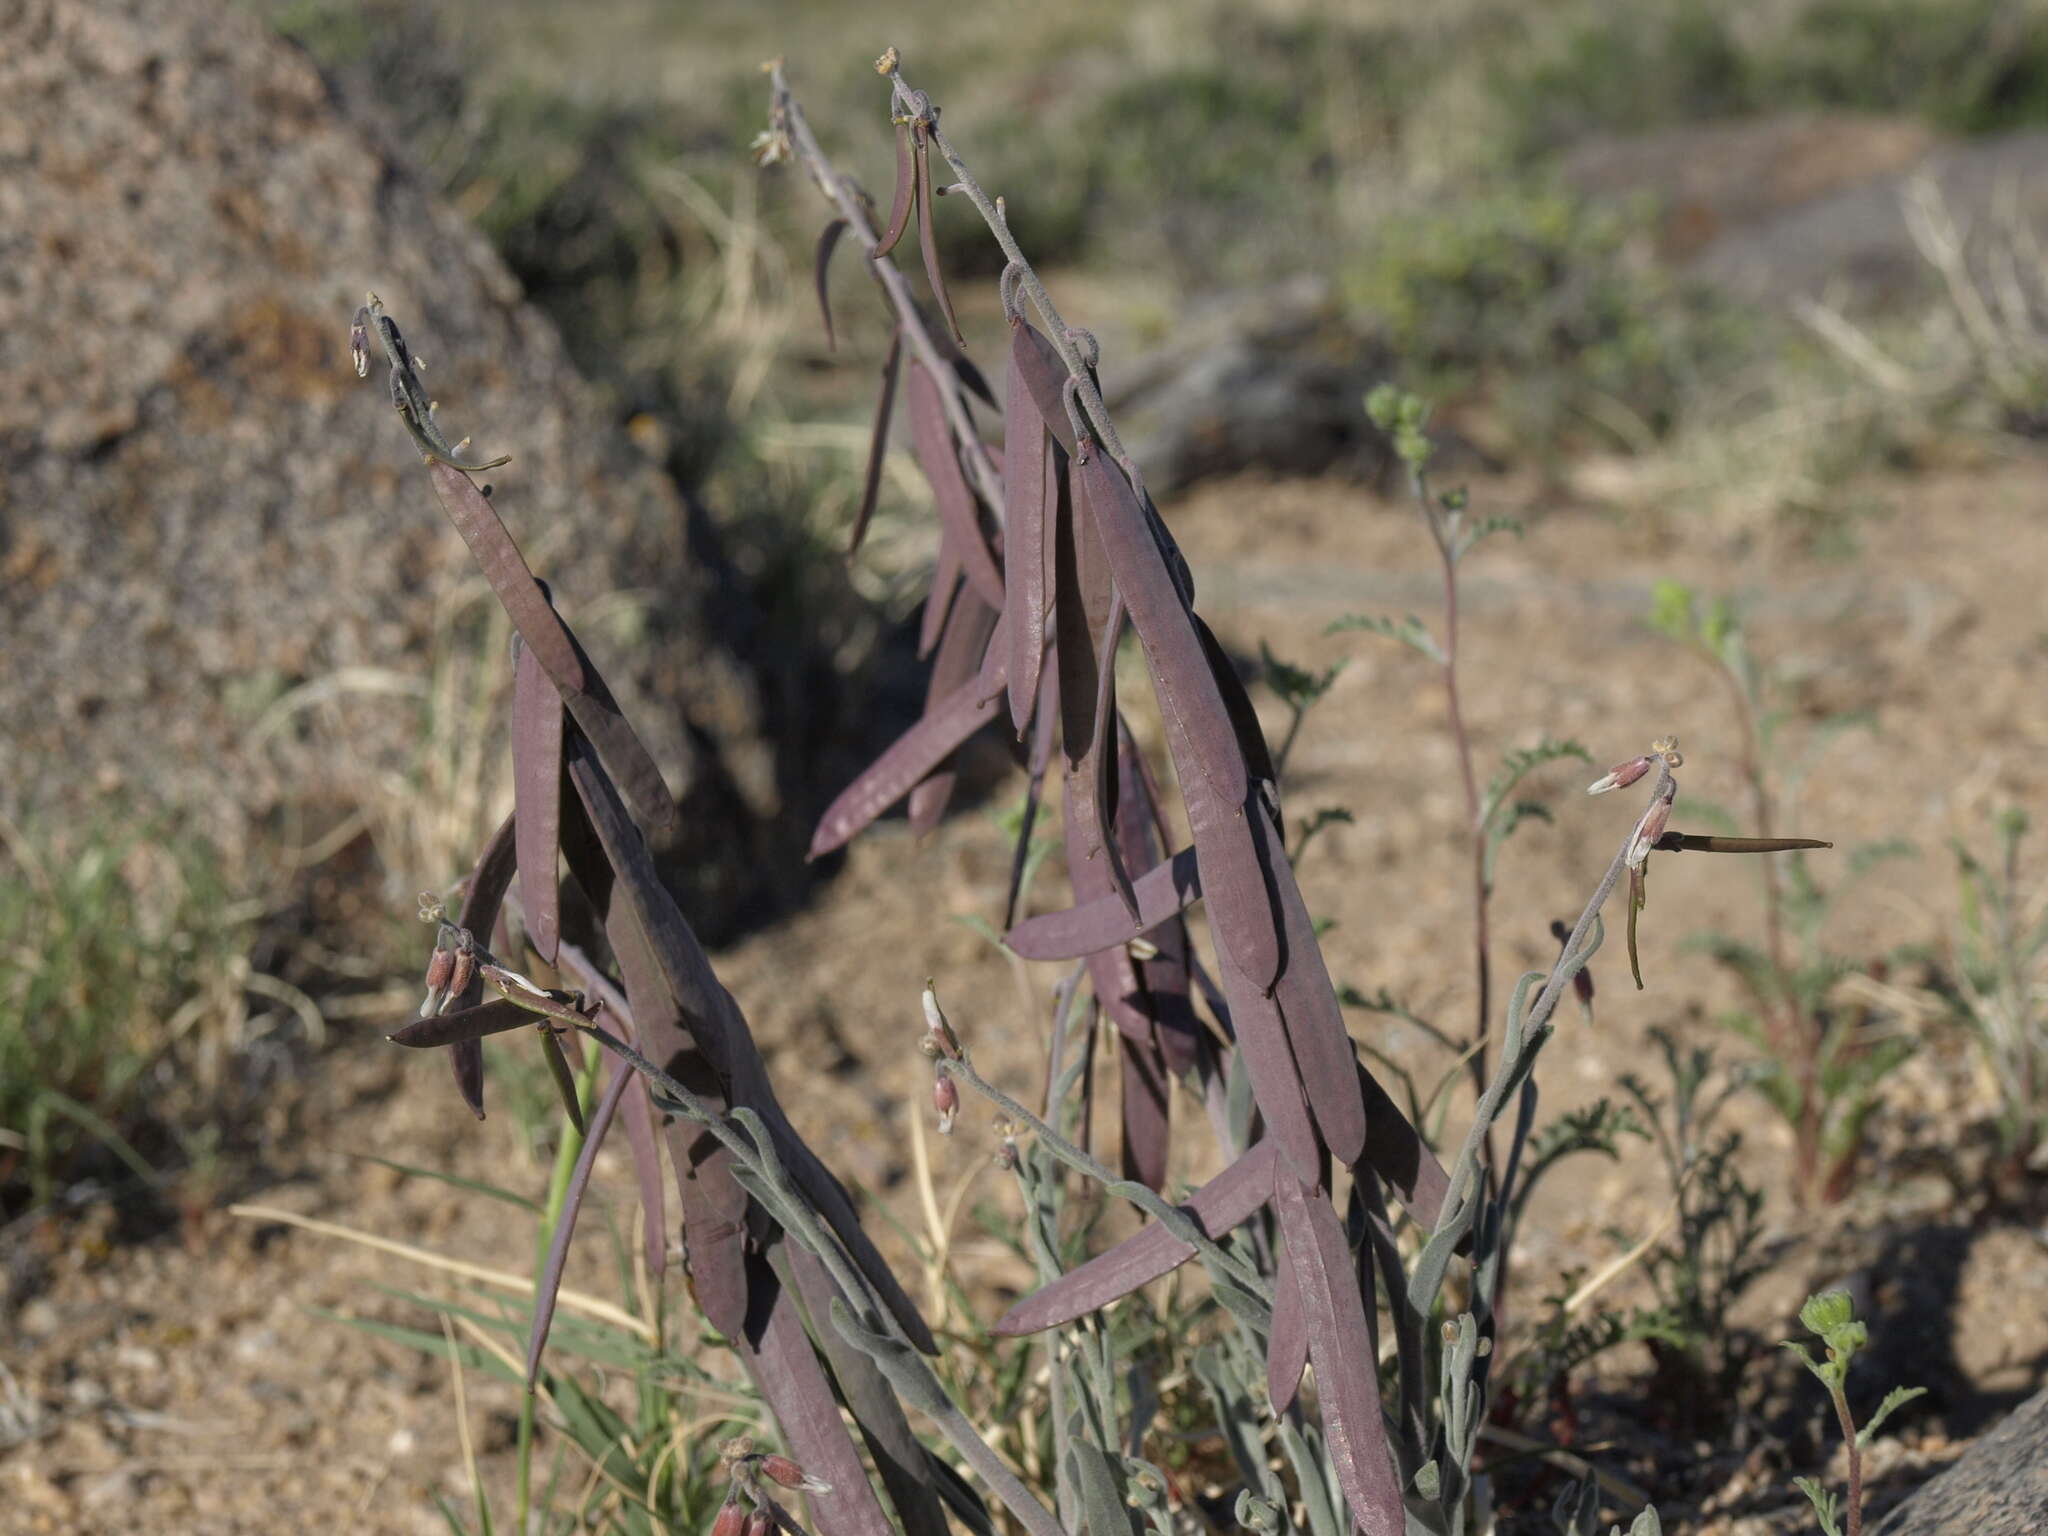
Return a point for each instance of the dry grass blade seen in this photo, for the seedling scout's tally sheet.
(519, 1285)
(1224, 1202)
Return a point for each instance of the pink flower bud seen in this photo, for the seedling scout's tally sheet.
(760, 1523)
(439, 969)
(731, 1521)
(462, 973)
(1650, 828)
(781, 1469)
(1620, 776)
(946, 1100)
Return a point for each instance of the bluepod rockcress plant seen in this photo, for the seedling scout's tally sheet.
(1050, 549)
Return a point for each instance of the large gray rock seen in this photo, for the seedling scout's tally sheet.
(201, 506)
(1998, 1487)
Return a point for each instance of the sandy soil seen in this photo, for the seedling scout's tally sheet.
(180, 1384)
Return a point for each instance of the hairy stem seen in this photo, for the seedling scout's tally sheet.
(1168, 1216)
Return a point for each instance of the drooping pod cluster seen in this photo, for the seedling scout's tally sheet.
(1036, 580)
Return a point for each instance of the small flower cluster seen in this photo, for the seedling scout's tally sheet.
(747, 1511)
(941, 1044)
(1663, 750)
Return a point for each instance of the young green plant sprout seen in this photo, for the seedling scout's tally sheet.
(1832, 1315)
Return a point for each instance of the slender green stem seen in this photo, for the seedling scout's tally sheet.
(566, 1153)
(1147, 1200)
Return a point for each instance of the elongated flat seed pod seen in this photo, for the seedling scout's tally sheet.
(622, 1081)
(913, 755)
(778, 1352)
(481, 898)
(878, 442)
(509, 575)
(926, 239)
(932, 435)
(1144, 1101)
(494, 1017)
(1224, 1202)
(720, 1032)
(1027, 566)
(1287, 1344)
(906, 194)
(537, 800)
(1162, 892)
(1308, 1005)
(1186, 684)
(821, 273)
(957, 662)
(1340, 1346)
(1045, 376)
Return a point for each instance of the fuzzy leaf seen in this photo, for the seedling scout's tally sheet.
(1411, 632)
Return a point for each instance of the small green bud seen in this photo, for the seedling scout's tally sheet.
(1826, 1311)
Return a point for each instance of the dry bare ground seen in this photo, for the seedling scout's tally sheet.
(180, 1384)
